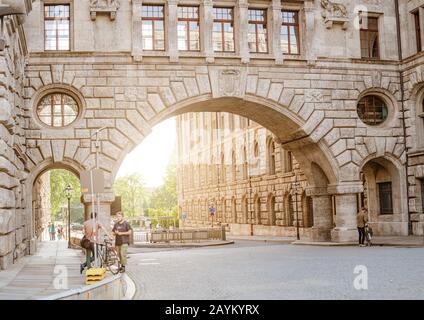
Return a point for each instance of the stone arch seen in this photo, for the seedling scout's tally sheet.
(271, 209)
(386, 194)
(38, 171)
(271, 116)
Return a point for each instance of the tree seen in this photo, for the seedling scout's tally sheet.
(59, 179)
(132, 192)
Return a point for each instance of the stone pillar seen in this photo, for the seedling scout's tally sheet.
(137, 47)
(346, 211)
(322, 214)
(172, 34)
(242, 20)
(275, 31)
(309, 32)
(206, 9)
(103, 214)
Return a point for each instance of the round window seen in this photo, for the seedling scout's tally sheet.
(57, 110)
(372, 110)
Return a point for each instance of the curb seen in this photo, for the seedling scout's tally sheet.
(354, 244)
(182, 245)
(130, 287)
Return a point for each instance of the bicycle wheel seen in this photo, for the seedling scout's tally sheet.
(112, 261)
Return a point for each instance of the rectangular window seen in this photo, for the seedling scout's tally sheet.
(289, 33)
(188, 28)
(153, 29)
(369, 38)
(223, 30)
(257, 34)
(57, 27)
(417, 30)
(385, 194)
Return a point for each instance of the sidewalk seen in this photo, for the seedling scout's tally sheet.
(395, 241)
(33, 277)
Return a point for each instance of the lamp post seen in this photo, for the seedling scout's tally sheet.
(68, 193)
(296, 186)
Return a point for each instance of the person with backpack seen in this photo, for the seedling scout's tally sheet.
(122, 230)
(361, 220)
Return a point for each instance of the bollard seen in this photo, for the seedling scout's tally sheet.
(223, 238)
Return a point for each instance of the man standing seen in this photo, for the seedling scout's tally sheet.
(122, 230)
(87, 242)
(361, 220)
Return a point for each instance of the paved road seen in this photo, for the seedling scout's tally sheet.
(258, 270)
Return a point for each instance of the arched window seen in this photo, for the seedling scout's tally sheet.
(233, 166)
(57, 110)
(258, 218)
(372, 110)
(245, 164)
(271, 210)
(234, 210)
(288, 161)
(288, 210)
(271, 157)
(245, 209)
(223, 173)
(307, 211)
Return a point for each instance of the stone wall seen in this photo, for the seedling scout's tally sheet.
(14, 223)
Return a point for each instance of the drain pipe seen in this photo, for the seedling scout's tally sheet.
(402, 95)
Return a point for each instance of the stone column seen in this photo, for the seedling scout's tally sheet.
(171, 24)
(346, 211)
(275, 31)
(309, 32)
(137, 47)
(103, 215)
(322, 213)
(206, 10)
(242, 20)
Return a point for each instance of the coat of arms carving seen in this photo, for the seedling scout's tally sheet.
(104, 6)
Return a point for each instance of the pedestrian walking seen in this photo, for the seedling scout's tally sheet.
(52, 232)
(88, 240)
(122, 230)
(59, 232)
(361, 221)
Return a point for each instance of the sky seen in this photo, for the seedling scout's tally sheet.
(151, 157)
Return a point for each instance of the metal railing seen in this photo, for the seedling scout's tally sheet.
(184, 235)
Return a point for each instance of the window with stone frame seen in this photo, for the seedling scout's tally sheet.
(271, 157)
(153, 28)
(288, 161)
(417, 30)
(223, 29)
(188, 28)
(289, 32)
(369, 38)
(385, 197)
(372, 110)
(257, 32)
(57, 109)
(57, 21)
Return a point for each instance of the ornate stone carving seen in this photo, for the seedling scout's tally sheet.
(314, 95)
(104, 6)
(228, 80)
(334, 13)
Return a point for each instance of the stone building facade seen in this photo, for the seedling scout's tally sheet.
(233, 165)
(343, 93)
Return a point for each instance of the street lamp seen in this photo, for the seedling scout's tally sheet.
(68, 193)
(296, 186)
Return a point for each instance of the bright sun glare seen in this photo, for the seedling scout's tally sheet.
(151, 157)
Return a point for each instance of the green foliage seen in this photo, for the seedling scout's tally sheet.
(132, 192)
(161, 202)
(59, 180)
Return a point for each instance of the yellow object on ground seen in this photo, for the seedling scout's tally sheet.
(94, 275)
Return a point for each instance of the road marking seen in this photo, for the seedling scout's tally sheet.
(147, 259)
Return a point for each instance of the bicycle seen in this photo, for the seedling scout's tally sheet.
(108, 256)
